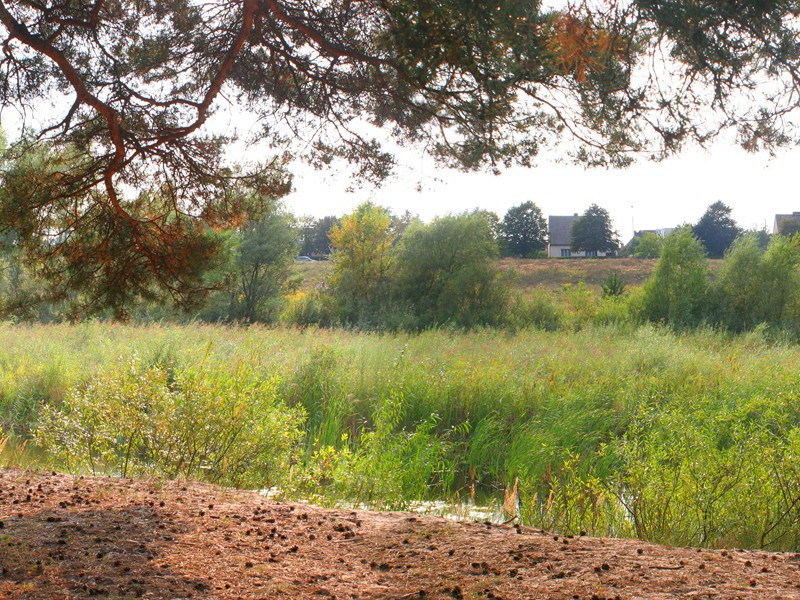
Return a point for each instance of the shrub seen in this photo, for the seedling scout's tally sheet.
(677, 291)
(737, 291)
(204, 424)
(756, 287)
(613, 286)
(582, 304)
(304, 309)
(445, 272)
(647, 246)
(535, 311)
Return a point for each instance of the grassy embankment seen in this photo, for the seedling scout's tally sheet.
(683, 439)
(549, 274)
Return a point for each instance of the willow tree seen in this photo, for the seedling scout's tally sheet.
(123, 90)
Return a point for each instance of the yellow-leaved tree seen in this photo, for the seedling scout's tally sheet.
(362, 247)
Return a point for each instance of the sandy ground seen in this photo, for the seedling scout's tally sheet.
(66, 537)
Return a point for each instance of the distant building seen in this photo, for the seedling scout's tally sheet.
(781, 220)
(560, 245)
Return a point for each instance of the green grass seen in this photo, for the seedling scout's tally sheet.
(683, 439)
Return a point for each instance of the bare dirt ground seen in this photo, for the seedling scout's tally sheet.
(67, 537)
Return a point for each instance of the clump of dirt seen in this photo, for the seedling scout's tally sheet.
(76, 537)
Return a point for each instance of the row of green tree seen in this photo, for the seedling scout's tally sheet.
(755, 285)
(522, 232)
(443, 273)
(396, 272)
(716, 229)
(387, 271)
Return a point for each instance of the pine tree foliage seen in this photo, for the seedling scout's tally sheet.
(137, 179)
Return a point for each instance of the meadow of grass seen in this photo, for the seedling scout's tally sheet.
(541, 274)
(687, 439)
(552, 274)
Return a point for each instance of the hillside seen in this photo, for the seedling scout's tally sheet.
(553, 273)
(546, 273)
(65, 537)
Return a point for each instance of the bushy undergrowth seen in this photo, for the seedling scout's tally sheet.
(223, 427)
(687, 438)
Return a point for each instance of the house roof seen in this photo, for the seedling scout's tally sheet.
(560, 234)
(781, 219)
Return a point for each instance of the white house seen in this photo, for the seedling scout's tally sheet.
(560, 245)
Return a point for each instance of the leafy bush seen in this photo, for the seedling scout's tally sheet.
(304, 309)
(204, 424)
(445, 273)
(582, 305)
(677, 291)
(536, 311)
(648, 245)
(755, 286)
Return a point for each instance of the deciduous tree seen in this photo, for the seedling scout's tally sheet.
(677, 291)
(524, 230)
(646, 245)
(592, 232)
(265, 253)
(362, 257)
(445, 273)
(314, 236)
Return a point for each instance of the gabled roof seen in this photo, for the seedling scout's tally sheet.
(781, 219)
(560, 234)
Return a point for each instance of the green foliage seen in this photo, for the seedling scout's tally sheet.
(495, 224)
(677, 291)
(536, 311)
(307, 309)
(613, 286)
(265, 252)
(687, 439)
(470, 82)
(82, 252)
(445, 272)
(400, 223)
(314, 240)
(738, 286)
(716, 229)
(523, 231)
(760, 287)
(592, 232)
(227, 429)
(647, 245)
(362, 257)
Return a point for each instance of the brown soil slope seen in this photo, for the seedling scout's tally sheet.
(65, 537)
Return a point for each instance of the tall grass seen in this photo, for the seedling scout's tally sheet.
(680, 438)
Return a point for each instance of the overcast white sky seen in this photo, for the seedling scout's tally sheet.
(647, 195)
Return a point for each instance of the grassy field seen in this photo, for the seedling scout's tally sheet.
(549, 274)
(682, 439)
